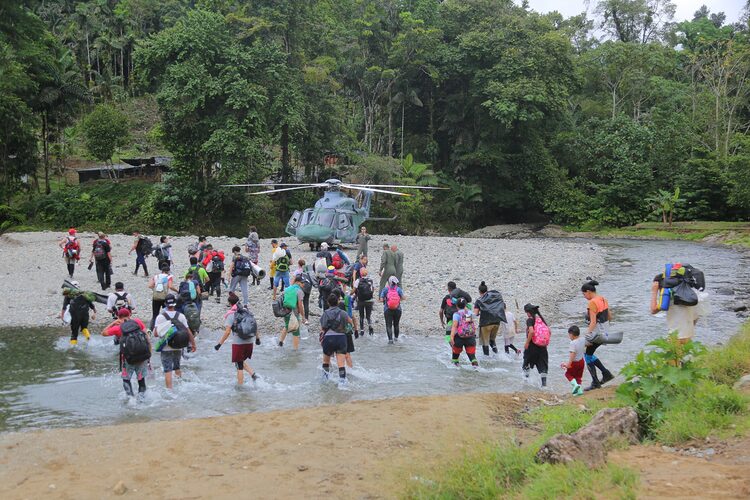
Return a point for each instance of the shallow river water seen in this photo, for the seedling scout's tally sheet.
(43, 383)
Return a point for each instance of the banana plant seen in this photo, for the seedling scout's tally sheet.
(665, 202)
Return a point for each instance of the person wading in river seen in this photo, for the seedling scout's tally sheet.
(598, 316)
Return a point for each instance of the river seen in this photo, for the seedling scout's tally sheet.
(46, 384)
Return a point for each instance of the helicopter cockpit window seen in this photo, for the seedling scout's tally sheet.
(344, 221)
(306, 217)
(325, 219)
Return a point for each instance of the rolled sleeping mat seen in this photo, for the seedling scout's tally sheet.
(605, 338)
(257, 271)
(100, 298)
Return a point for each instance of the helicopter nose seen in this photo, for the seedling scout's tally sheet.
(314, 232)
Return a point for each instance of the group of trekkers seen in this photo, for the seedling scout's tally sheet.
(347, 295)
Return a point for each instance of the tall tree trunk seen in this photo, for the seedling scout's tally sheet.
(285, 165)
(88, 60)
(390, 124)
(403, 107)
(45, 148)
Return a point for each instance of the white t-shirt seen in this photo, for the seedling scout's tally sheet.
(682, 319)
(578, 346)
(112, 298)
(163, 324)
(509, 328)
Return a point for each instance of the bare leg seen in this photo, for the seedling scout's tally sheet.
(168, 379)
(295, 342)
(348, 359)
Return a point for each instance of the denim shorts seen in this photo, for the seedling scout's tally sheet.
(170, 360)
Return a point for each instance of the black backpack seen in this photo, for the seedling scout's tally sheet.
(365, 289)
(305, 283)
(181, 338)
(242, 266)
(244, 324)
(146, 245)
(278, 307)
(79, 306)
(100, 250)
(134, 343)
(159, 254)
(217, 264)
(121, 301)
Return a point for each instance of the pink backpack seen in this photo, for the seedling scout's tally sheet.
(392, 298)
(541, 333)
(466, 327)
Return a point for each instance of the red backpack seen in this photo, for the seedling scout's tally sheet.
(72, 249)
(541, 333)
(392, 298)
(337, 261)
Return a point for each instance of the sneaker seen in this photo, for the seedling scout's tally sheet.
(593, 387)
(343, 381)
(390, 341)
(218, 300)
(578, 391)
(371, 331)
(254, 376)
(281, 344)
(73, 342)
(526, 373)
(606, 377)
(86, 333)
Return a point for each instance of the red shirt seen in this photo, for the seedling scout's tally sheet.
(117, 332)
(210, 255)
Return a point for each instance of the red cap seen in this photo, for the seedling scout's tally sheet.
(71, 231)
(124, 312)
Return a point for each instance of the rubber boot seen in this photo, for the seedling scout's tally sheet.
(493, 346)
(606, 374)
(86, 333)
(486, 350)
(595, 384)
(544, 379)
(128, 387)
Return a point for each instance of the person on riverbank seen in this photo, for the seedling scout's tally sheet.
(161, 284)
(241, 325)
(213, 263)
(172, 354)
(119, 299)
(239, 269)
(163, 253)
(364, 291)
(282, 261)
(362, 242)
(574, 366)
(293, 297)
(463, 333)
(398, 261)
(78, 303)
(134, 354)
(598, 316)
(142, 247)
(252, 247)
(490, 308)
(387, 266)
(391, 296)
(537, 339)
(101, 255)
(71, 249)
(333, 323)
(509, 329)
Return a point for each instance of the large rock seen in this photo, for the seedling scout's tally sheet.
(743, 384)
(589, 444)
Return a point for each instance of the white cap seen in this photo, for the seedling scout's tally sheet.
(324, 245)
(393, 280)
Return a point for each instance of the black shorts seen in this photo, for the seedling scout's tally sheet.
(334, 344)
(464, 341)
(536, 356)
(349, 343)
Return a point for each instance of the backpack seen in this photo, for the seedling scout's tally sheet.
(79, 306)
(146, 246)
(193, 315)
(159, 254)
(282, 264)
(244, 324)
(217, 265)
(242, 266)
(337, 261)
(320, 266)
(193, 248)
(122, 301)
(71, 248)
(161, 286)
(100, 252)
(364, 289)
(466, 327)
(134, 343)
(290, 298)
(278, 307)
(541, 333)
(195, 273)
(305, 283)
(180, 338)
(392, 298)
(187, 291)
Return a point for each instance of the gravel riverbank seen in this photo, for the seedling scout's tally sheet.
(533, 270)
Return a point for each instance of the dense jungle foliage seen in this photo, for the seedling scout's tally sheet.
(524, 116)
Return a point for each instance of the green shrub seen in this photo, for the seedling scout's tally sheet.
(563, 419)
(728, 364)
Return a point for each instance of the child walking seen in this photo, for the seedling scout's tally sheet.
(574, 366)
(537, 339)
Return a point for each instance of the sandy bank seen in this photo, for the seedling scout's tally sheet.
(534, 270)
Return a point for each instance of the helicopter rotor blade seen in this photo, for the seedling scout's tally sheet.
(368, 186)
(350, 186)
(272, 191)
(266, 185)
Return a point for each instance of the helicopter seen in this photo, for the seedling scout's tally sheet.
(336, 217)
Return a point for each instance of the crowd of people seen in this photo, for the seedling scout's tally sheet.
(346, 296)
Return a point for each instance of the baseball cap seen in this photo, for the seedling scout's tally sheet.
(283, 244)
(123, 312)
(324, 245)
(72, 231)
(170, 300)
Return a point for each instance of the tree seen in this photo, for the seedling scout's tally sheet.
(665, 202)
(105, 130)
(636, 21)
